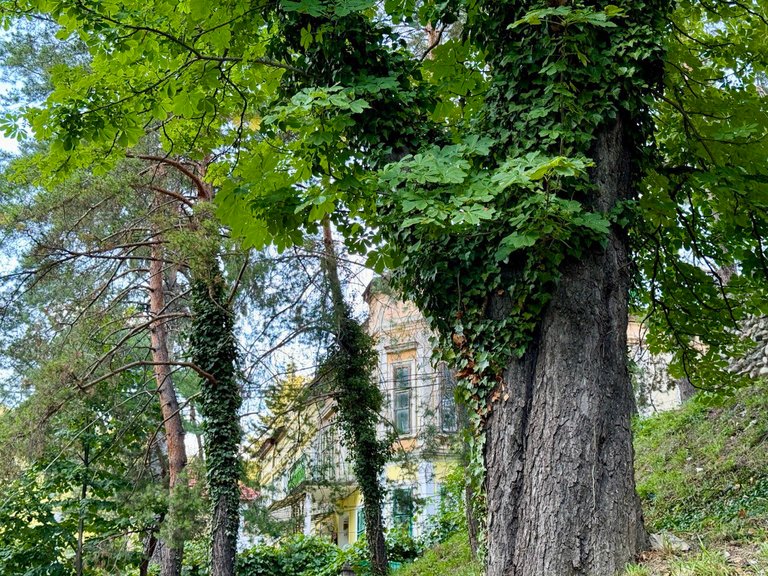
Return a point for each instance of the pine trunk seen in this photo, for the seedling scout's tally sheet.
(173, 549)
(559, 458)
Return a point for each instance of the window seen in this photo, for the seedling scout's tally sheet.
(360, 521)
(402, 508)
(448, 416)
(402, 379)
(297, 475)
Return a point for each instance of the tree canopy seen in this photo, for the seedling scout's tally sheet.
(486, 152)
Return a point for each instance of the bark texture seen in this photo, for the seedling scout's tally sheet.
(173, 550)
(559, 457)
(223, 542)
(473, 527)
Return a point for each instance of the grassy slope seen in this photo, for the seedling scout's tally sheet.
(451, 558)
(703, 470)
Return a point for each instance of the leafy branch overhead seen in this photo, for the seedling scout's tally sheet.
(317, 108)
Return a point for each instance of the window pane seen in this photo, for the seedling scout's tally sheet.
(402, 508)
(402, 409)
(360, 521)
(402, 376)
(403, 420)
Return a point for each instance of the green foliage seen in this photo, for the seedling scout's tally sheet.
(32, 540)
(213, 348)
(296, 556)
(451, 558)
(701, 469)
(451, 517)
(703, 204)
(90, 443)
(311, 556)
(516, 200)
(401, 546)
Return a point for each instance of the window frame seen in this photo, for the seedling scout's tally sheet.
(399, 392)
(447, 391)
(400, 518)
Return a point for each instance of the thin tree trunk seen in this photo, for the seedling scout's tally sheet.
(473, 527)
(81, 511)
(150, 545)
(367, 469)
(214, 350)
(173, 550)
(558, 453)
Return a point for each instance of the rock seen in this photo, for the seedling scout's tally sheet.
(668, 542)
(763, 371)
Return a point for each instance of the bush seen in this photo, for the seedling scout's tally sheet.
(402, 547)
(294, 556)
(451, 514)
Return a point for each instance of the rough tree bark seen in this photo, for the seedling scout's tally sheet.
(173, 550)
(560, 483)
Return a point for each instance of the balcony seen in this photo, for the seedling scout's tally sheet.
(321, 467)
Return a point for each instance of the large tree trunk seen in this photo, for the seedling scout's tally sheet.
(560, 484)
(173, 550)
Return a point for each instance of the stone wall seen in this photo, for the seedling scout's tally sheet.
(755, 362)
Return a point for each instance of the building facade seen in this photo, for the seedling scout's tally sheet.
(304, 468)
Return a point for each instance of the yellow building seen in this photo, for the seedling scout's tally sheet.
(304, 469)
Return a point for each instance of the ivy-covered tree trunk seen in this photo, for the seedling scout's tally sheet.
(359, 400)
(560, 485)
(214, 351)
(173, 546)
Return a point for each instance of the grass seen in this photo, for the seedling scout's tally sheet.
(701, 474)
(732, 560)
(701, 470)
(451, 558)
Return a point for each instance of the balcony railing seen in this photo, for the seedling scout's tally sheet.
(323, 463)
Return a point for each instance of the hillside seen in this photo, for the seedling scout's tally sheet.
(702, 470)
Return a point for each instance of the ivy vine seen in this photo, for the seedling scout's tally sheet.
(213, 348)
(482, 227)
(347, 372)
